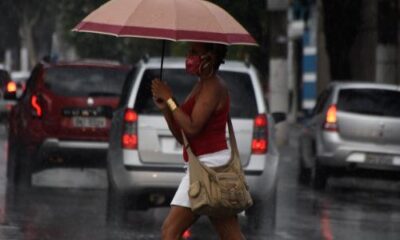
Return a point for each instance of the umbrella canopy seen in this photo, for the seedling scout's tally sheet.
(175, 20)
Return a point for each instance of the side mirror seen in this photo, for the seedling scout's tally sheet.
(279, 117)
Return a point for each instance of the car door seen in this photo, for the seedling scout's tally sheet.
(312, 126)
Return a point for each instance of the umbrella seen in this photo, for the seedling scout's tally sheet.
(175, 20)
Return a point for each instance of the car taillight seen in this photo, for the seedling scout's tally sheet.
(36, 107)
(11, 87)
(330, 123)
(187, 234)
(259, 144)
(129, 136)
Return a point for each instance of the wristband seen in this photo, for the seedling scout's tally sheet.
(171, 104)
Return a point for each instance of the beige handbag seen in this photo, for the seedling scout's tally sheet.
(218, 191)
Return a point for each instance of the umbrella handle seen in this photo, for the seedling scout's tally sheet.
(162, 59)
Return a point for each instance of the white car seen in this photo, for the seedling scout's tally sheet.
(145, 162)
(354, 130)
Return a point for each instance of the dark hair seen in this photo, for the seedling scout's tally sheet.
(219, 51)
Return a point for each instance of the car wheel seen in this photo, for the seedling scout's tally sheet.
(116, 207)
(19, 171)
(261, 216)
(320, 176)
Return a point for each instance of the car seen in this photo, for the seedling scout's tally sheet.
(12, 89)
(145, 162)
(63, 118)
(8, 88)
(353, 130)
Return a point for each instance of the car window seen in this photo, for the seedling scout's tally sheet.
(321, 100)
(243, 101)
(127, 86)
(378, 102)
(85, 81)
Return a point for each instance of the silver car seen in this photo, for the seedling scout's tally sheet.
(354, 130)
(145, 162)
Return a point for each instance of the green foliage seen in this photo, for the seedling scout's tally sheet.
(90, 45)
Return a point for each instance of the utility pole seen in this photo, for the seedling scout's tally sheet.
(387, 48)
(278, 75)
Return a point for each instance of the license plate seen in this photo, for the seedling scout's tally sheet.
(379, 159)
(89, 122)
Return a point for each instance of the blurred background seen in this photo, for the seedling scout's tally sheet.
(304, 46)
(349, 39)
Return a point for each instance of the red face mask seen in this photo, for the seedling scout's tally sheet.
(193, 64)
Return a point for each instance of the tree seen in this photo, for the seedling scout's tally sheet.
(252, 14)
(342, 22)
(26, 16)
(90, 45)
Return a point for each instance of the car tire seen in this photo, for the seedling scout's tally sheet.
(19, 170)
(116, 207)
(320, 176)
(261, 217)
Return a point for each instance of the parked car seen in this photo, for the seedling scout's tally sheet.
(354, 130)
(145, 162)
(63, 118)
(8, 89)
(12, 88)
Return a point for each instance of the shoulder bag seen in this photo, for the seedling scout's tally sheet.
(218, 191)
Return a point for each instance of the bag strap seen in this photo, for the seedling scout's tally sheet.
(232, 140)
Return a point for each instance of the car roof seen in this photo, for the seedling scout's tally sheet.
(179, 62)
(363, 84)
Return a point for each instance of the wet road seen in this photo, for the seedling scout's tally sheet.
(350, 209)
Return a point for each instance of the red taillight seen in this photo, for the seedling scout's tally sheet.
(330, 123)
(260, 121)
(259, 144)
(187, 234)
(130, 116)
(11, 87)
(37, 109)
(129, 137)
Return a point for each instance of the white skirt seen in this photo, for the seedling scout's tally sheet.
(215, 159)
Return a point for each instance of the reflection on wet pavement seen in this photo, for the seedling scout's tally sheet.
(349, 209)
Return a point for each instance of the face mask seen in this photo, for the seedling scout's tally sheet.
(193, 64)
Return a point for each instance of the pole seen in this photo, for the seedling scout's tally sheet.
(162, 59)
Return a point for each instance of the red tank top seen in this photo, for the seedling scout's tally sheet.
(212, 136)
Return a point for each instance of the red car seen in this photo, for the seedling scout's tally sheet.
(63, 118)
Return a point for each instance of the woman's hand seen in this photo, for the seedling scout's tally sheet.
(161, 90)
(161, 93)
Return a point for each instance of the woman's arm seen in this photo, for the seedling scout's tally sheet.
(206, 103)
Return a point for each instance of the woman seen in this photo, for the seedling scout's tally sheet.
(203, 118)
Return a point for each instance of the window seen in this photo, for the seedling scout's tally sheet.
(322, 98)
(241, 91)
(377, 102)
(85, 81)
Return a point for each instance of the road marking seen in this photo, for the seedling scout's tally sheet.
(326, 225)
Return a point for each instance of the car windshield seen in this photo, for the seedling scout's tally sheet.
(243, 101)
(85, 81)
(378, 102)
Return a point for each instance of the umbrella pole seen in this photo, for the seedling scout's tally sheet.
(162, 59)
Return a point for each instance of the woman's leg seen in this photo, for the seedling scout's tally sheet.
(177, 221)
(227, 228)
